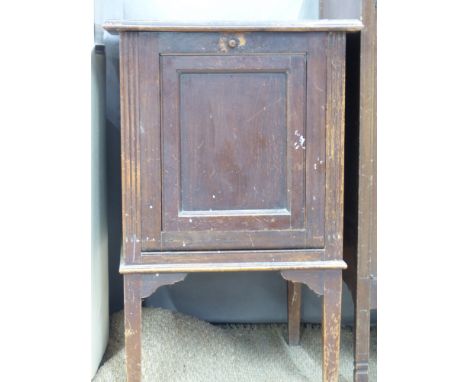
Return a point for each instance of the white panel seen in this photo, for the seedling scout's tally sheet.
(99, 269)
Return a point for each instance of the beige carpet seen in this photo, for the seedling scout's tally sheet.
(184, 349)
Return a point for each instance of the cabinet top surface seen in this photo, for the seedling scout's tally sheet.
(342, 25)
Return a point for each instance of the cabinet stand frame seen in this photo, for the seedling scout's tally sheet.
(324, 281)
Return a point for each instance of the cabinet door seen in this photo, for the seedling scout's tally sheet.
(233, 151)
(232, 145)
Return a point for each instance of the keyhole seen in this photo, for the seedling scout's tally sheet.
(232, 43)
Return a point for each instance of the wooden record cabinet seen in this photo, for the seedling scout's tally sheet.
(232, 159)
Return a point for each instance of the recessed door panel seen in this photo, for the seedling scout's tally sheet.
(238, 148)
(233, 133)
(233, 146)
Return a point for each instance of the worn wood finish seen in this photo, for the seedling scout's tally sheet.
(130, 146)
(217, 43)
(336, 54)
(235, 265)
(366, 283)
(314, 280)
(151, 282)
(328, 284)
(132, 313)
(232, 160)
(150, 137)
(315, 159)
(331, 325)
(360, 250)
(294, 312)
(137, 287)
(227, 220)
(232, 225)
(360, 247)
(230, 239)
(119, 26)
(226, 170)
(334, 120)
(315, 44)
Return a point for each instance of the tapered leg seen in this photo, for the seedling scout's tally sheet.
(136, 288)
(294, 312)
(331, 325)
(362, 331)
(132, 310)
(328, 284)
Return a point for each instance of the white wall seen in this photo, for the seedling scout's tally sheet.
(243, 10)
(99, 252)
(202, 10)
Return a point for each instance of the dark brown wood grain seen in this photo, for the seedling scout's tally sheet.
(313, 280)
(232, 160)
(294, 312)
(360, 246)
(327, 283)
(316, 159)
(247, 155)
(210, 43)
(150, 138)
(331, 325)
(151, 282)
(231, 239)
(335, 144)
(132, 313)
(367, 225)
(366, 282)
(287, 212)
(130, 146)
(137, 287)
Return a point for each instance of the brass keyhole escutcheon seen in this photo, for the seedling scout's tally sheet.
(232, 43)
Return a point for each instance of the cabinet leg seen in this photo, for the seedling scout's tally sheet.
(328, 284)
(294, 312)
(136, 288)
(132, 311)
(362, 331)
(331, 325)
(360, 288)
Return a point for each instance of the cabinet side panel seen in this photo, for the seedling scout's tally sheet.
(335, 145)
(315, 136)
(150, 135)
(130, 155)
(367, 217)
